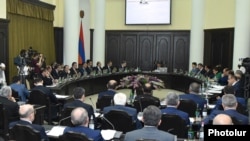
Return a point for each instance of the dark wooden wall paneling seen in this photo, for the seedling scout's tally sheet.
(143, 48)
(218, 47)
(58, 35)
(4, 47)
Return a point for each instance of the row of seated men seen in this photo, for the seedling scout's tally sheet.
(79, 116)
(194, 90)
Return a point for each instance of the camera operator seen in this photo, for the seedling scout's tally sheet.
(37, 63)
(20, 62)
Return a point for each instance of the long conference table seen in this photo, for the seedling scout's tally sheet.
(98, 83)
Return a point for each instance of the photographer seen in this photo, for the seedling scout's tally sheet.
(37, 63)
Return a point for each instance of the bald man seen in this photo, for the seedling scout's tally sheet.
(27, 116)
(80, 120)
(112, 84)
(222, 119)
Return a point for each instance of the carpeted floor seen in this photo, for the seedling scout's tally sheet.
(161, 93)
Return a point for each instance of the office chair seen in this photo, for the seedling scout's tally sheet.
(142, 102)
(15, 95)
(73, 136)
(104, 101)
(174, 124)
(65, 117)
(24, 133)
(39, 98)
(4, 127)
(188, 106)
(118, 120)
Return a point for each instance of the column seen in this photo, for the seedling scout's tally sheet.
(71, 31)
(241, 32)
(99, 32)
(197, 34)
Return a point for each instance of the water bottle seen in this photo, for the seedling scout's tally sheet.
(201, 132)
(91, 123)
(190, 133)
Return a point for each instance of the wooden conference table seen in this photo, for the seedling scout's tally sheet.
(96, 84)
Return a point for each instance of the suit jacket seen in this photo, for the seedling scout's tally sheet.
(175, 111)
(78, 103)
(55, 74)
(196, 98)
(149, 96)
(109, 69)
(231, 112)
(34, 126)
(94, 134)
(108, 92)
(149, 132)
(89, 70)
(131, 111)
(21, 90)
(11, 107)
(47, 91)
(98, 70)
(73, 72)
(223, 80)
(239, 92)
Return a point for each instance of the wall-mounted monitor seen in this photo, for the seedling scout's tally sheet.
(148, 12)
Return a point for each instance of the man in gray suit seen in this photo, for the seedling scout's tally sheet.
(151, 119)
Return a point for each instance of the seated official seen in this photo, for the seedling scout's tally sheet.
(20, 88)
(172, 102)
(108, 67)
(112, 84)
(79, 118)
(194, 95)
(74, 70)
(230, 90)
(79, 97)
(27, 116)
(236, 83)
(148, 93)
(151, 118)
(123, 66)
(45, 75)
(120, 100)
(9, 103)
(229, 104)
(223, 80)
(222, 119)
(56, 71)
(98, 68)
(89, 68)
(82, 68)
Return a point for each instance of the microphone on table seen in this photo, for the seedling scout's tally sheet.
(113, 127)
(91, 101)
(63, 119)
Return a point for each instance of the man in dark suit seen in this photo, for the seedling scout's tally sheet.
(229, 103)
(123, 66)
(89, 68)
(79, 96)
(74, 70)
(194, 95)
(223, 80)
(79, 118)
(151, 118)
(98, 67)
(9, 103)
(201, 70)
(120, 101)
(233, 81)
(27, 116)
(108, 67)
(172, 102)
(20, 88)
(112, 84)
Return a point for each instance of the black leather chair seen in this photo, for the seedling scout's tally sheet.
(73, 136)
(174, 124)
(39, 98)
(15, 95)
(104, 101)
(65, 119)
(141, 103)
(118, 120)
(188, 106)
(24, 133)
(4, 127)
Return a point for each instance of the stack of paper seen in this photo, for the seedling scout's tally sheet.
(56, 131)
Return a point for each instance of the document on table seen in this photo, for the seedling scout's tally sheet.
(61, 96)
(56, 131)
(218, 87)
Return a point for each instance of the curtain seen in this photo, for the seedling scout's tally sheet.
(30, 26)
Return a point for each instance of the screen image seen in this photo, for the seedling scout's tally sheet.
(148, 12)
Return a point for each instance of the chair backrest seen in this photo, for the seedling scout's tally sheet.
(188, 106)
(141, 103)
(4, 127)
(104, 101)
(15, 95)
(174, 124)
(24, 133)
(65, 119)
(73, 136)
(118, 120)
